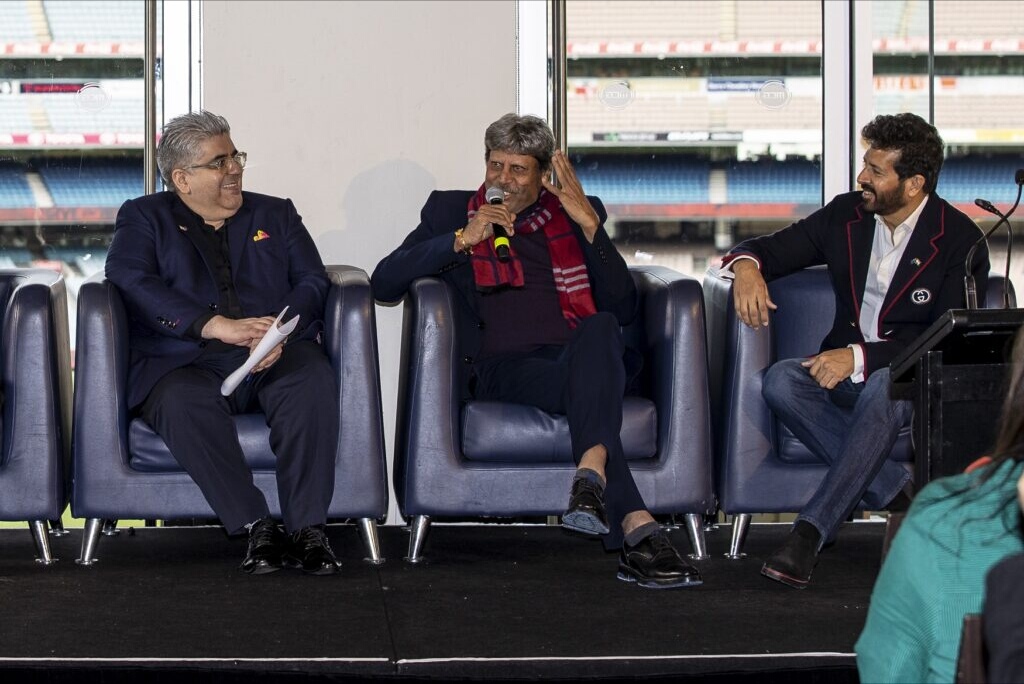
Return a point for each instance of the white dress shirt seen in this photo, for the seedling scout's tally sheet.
(886, 252)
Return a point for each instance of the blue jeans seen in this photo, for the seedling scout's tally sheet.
(852, 428)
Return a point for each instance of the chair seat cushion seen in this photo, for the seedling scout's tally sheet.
(499, 432)
(148, 453)
(794, 451)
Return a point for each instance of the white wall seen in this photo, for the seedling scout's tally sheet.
(356, 110)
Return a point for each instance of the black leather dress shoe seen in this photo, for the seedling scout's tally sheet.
(310, 552)
(793, 562)
(655, 564)
(266, 548)
(585, 513)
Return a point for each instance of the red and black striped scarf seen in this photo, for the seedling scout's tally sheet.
(567, 262)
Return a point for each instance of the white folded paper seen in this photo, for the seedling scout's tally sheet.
(273, 337)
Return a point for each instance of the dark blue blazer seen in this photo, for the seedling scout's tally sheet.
(159, 269)
(429, 251)
(928, 281)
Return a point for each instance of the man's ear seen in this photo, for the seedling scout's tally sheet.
(915, 185)
(180, 179)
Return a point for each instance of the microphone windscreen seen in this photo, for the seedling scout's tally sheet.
(495, 195)
(986, 205)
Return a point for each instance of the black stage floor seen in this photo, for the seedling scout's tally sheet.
(499, 602)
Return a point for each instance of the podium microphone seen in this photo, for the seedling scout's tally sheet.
(495, 195)
(969, 284)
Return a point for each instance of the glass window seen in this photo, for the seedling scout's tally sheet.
(976, 89)
(697, 124)
(71, 130)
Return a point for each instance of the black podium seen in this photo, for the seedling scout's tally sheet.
(956, 373)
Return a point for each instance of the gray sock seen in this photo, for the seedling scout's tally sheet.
(590, 475)
(640, 533)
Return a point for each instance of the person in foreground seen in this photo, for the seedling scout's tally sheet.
(956, 529)
(543, 328)
(895, 252)
(204, 269)
(1003, 615)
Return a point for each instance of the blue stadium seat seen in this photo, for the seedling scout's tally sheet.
(651, 180)
(797, 181)
(14, 188)
(91, 182)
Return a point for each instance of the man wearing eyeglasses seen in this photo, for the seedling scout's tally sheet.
(204, 269)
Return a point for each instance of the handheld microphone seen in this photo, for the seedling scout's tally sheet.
(969, 285)
(496, 195)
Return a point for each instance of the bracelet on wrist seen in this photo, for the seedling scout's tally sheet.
(460, 242)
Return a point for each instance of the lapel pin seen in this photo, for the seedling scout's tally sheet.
(260, 235)
(183, 229)
(915, 261)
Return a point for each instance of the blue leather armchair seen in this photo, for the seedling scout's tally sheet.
(36, 414)
(761, 467)
(123, 469)
(492, 459)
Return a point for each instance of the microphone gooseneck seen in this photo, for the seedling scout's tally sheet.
(970, 289)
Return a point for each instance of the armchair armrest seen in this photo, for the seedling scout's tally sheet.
(37, 395)
(675, 353)
(100, 436)
(428, 417)
(350, 341)
(744, 433)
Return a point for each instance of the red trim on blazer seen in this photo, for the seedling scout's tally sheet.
(729, 258)
(849, 252)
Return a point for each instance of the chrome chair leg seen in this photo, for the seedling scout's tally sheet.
(417, 536)
(110, 528)
(57, 528)
(740, 525)
(695, 530)
(42, 540)
(368, 531)
(90, 537)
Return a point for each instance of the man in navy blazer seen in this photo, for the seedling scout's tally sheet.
(895, 252)
(204, 269)
(542, 326)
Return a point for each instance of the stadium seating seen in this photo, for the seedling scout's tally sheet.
(114, 20)
(988, 176)
(797, 181)
(66, 115)
(666, 179)
(16, 23)
(91, 182)
(14, 115)
(14, 188)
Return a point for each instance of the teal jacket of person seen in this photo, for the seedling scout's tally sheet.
(956, 529)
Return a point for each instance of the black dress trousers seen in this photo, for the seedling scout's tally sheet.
(585, 380)
(299, 397)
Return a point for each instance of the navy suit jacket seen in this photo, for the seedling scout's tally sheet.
(157, 266)
(429, 251)
(928, 281)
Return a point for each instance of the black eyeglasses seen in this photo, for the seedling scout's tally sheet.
(221, 163)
